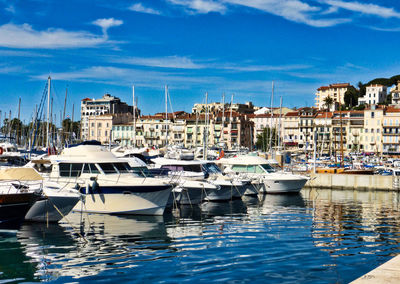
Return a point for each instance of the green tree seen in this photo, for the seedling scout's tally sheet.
(264, 140)
(328, 101)
(351, 97)
(362, 89)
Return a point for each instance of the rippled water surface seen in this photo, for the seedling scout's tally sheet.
(319, 236)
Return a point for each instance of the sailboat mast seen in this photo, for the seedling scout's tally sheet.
(230, 121)
(206, 131)
(166, 115)
(134, 116)
(270, 120)
(48, 112)
(221, 136)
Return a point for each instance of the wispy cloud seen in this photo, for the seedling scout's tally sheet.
(138, 7)
(105, 24)
(177, 62)
(25, 36)
(21, 53)
(320, 13)
(368, 9)
(125, 76)
(10, 8)
(183, 62)
(201, 6)
(394, 29)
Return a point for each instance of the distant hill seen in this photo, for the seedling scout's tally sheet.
(385, 81)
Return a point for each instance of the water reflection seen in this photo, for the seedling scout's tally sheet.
(14, 264)
(275, 238)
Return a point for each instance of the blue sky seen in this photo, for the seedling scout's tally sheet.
(193, 46)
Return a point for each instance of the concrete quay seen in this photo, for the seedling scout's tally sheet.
(354, 181)
(387, 273)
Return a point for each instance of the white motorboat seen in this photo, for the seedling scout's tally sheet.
(110, 185)
(195, 171)
(17, 195)
(56, 201)
(257, 168)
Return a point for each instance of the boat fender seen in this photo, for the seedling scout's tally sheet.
(95, 185)
(1, 150)
(87, 189)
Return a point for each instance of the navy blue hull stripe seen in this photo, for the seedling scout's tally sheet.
(124, 189)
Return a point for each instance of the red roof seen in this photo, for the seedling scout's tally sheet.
(86, 99)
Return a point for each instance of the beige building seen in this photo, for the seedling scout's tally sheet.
(100, 127)
(335, 91)
(391, 131)
(290, 130)
(96, 107)
(395, 92)
(371, 134)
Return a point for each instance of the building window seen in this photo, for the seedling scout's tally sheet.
(372, 113)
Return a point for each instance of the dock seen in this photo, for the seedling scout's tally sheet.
(354, 181)
(387, 273)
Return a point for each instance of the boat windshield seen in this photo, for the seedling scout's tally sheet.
(212, 168)
(268, 168)
(142, 171)
(115, 168)
(187, 168)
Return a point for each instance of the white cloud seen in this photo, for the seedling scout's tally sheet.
(105, 24)
(10, 8)
(368, 9)
(24, 36)
(201, 6)
(177, 62)
(138, 7)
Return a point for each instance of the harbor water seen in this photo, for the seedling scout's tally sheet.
(318, 236)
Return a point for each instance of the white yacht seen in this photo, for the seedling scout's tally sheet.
(258, 168)
(56, 201)
(204, 172)
(109, 184)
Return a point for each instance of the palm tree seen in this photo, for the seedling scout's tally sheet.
(328, 101)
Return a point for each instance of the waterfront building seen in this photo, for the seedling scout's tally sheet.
(94, 107)
(217, 107)
(391, 131)
(266, 120)
(290, 130)
(335, 91)
(323, 130)
(374, 94)
(152, 130)
(100, 126)
(395, 92)
(372, 131)
(306, 128)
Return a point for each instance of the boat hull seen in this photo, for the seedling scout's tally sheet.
(52, 209)
(279, 185)
(222, 193)
(188, 195)
(13, 208)
(129, 200)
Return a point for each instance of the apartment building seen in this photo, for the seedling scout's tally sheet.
(323, 130)
(395, 92)
(306, 128)
(156, 130)
(95, 107)
(335, 91)
(290, 130)
(391, 131)
(374, 94)
(100, 126)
